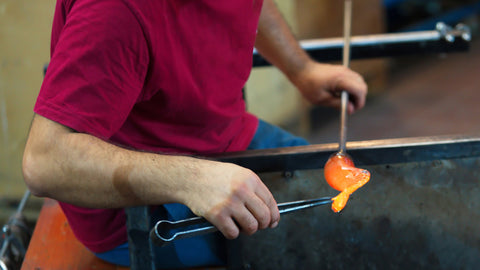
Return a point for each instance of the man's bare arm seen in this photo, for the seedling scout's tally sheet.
(83, 170)
(276, 43)
(319, 83)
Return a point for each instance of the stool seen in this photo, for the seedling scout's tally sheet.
(53, 245)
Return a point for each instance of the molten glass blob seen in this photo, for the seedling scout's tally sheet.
(341, 174)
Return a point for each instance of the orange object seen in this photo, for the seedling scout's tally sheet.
(54, 247)
(341, 174)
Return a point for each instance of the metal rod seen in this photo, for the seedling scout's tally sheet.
(6, 232)
(440, 40)
(6, 229)
(347, 26)
(343, 123)
(369, 40)
(442, 33)
(290, 207)
(24, 200)
(3, 266)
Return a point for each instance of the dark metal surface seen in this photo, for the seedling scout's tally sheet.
(140, 247)
(441, 40)
(420, 210)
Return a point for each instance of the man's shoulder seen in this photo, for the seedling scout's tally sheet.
(106, 18)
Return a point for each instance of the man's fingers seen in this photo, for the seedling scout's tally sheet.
(246, 205)
(227, 226)
(269, 201)
(247, 222)
(260, 211)
(357, 89)
(356, 100)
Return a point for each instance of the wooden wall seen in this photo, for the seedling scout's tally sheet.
(25, 27)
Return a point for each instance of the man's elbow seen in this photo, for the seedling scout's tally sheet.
(34, 174)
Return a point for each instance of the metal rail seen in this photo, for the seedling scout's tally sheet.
(443, 39)
(386, 151)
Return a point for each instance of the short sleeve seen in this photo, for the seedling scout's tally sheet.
(97, 70)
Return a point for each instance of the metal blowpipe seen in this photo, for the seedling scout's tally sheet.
(347, 25)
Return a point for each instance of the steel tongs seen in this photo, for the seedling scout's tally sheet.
(166, 231)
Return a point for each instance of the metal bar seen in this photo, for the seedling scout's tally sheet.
(369, 40)
(387, 151)
(443, 39)
(6, 232)
(138, 227)
(342, 144)
(23, 202)
(288, 207)
(347, 26)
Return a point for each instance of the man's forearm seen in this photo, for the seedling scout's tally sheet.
(86, 171)
(276, 42)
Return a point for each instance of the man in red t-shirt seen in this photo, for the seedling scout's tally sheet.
(134, 87)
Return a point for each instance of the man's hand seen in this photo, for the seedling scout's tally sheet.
(322, 85)
(233, 199)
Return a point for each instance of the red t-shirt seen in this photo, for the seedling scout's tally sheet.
(159, 75)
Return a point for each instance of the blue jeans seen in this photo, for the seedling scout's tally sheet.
(271, 136)
(205, 250)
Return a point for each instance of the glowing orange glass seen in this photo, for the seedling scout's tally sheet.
(341, 174)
